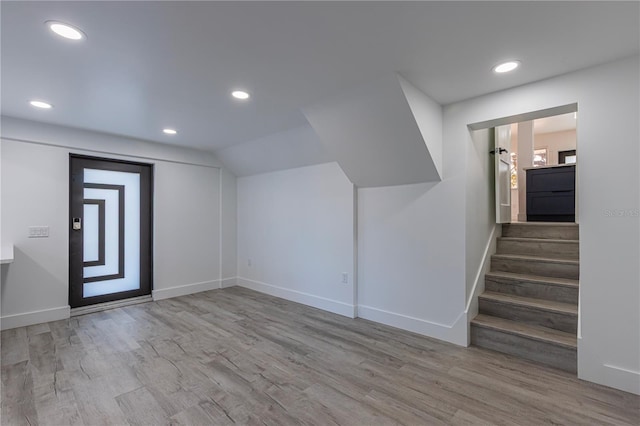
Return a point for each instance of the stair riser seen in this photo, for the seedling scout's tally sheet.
(537, 267)
(536, 248)
(532, 289)
(540, 231)
(533, 350)
(551, 319)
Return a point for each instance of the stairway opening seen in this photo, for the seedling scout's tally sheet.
(548, 146)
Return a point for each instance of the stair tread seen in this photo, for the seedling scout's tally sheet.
(549, 305)
(567, 282)
(539, 240)
(536, 332)
(567, 224)
(536, 258)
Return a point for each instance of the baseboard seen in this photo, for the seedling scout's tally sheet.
(228, 282)
(621, 378)
(36, 317)
(183, 290)
(319, 302)
(455, 333)
(610, 375)
(100, 307)
(471, 308)
(592, 368)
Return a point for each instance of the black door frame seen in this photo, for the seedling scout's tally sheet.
(77, 163)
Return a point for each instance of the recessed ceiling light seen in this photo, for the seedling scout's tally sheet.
(506, 67)
(170, 131)
(65, 30)
(240, 94)
(40, 104)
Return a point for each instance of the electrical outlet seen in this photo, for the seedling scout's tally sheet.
(38, 232)
(345, 278)
(249, 263)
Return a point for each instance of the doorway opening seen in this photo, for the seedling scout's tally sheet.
(110, 232)
(543, 158)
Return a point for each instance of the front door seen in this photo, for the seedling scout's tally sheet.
(110, 247)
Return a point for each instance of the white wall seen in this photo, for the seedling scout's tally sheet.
(480, 215)
(608, 188)
(411, 251)
(555, 142)
(186, 229)
(35, 191)
(296, 227)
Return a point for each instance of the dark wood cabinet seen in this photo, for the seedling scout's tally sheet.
(551, 194)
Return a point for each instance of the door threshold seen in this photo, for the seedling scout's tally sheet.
(99, 307)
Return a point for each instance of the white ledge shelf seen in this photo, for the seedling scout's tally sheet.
(6, 254)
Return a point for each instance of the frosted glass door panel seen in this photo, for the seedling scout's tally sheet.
(91, 233)
(121, 194)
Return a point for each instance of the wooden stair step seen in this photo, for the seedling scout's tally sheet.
(534, 332)
(536, 265)
(541, 304)
(526, 285)
(561, 282)
(546, 313)
(565, 249)
(551, 230)
(537, 259)
(539, 240)
(539, 344)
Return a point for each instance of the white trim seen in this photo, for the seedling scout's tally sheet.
(592, 369)
(228, 282)
(319, 302)
(455, 333)
(489, 249)
(528, 116)
(6, 254)
(183, 290)
(102, 152)
(35, 317)
(622, 378)
(471, 308)
(354, 272)
(220, 197)
(99, 307)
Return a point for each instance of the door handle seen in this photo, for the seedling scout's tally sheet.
(500, 151)
(77, 223)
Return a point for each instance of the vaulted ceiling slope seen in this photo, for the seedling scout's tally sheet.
(384, 133)
(149, 65)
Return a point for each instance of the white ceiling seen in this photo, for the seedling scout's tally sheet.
(149, 65)
(555, 123)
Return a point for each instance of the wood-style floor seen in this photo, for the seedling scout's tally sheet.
(237, 356)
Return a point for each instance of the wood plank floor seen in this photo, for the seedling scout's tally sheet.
(235, 356)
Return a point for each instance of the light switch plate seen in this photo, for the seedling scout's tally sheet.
(38, 232)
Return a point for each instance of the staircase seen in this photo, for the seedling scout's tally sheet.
(530, 304)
